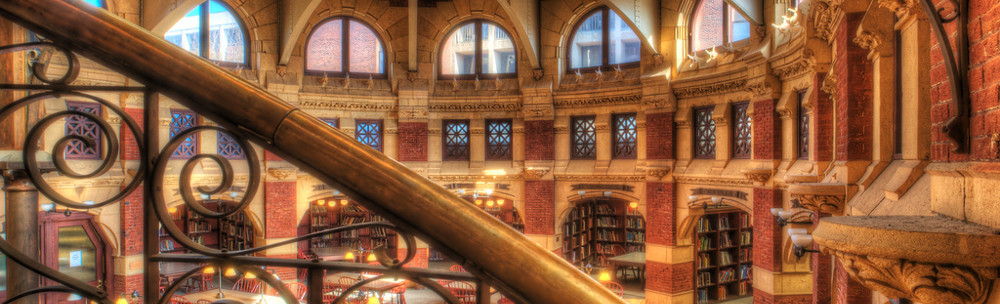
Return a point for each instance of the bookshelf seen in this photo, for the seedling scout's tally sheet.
(594, 228)
(724, 256)
(337, 214)
(234, 232)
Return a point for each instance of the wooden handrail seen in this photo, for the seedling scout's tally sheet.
(501, 256)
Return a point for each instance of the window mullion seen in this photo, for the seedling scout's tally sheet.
(605, 36)
(345, 46)
(477, 37)
(725, 23)
(204, 31)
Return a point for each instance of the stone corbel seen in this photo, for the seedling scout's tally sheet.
(658, 173)
(535, 172)
(825, 18)
(904, 9)
(758, 176)
(280, 174)
(820, 197)
(927, 259)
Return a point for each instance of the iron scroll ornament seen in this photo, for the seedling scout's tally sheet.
(956, 61)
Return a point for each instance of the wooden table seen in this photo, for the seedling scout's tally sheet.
(381, 285)
(634, 259)
(331, 253)
(238, 296)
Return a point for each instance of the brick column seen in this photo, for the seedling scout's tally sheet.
(660, 136)
(129, 270)
(822, 272)
(854, 89)
(766, 130)
(280, 223)
(823, 122)
(539, 140)
(669, 268)
(412, 141)
(849, 291)
(539, 207)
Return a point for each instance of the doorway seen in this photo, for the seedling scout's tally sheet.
(75, 246)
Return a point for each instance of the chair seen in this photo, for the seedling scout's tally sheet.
(346, 283)
(616, 288)
(504, 300)
(297, 289)
(247, 285)
(395, 295)
(465, 293)
(331, 291)
(202, 283)
(179, 300)
(457, 268)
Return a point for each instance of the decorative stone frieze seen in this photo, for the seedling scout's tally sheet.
(535, 173)
(347, 106)
(924, 258)
(802, 65)
(658, 173)
(460, 178)
(280, 174)
(601, 178)
(485, 106)
(758, 176)
(713, 181)
(734, 85)
(820, 197)
(599, 101)
(826, 16)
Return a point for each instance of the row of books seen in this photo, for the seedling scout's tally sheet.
(704, 225)
(635, 236)
(746, 272)
(724, 223)
(746, 255)
(746, 238)
(744, 220)
(704, 260)
(635, 223)
(725, 258)
(605, 235)
(607, 222)
(704, 278)
(199, 227)
(727, 275)
(725, 241)
(704, 243)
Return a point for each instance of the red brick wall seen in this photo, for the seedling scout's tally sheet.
(285, 274)
(129, 149)
(279, 222)
(419, 259)
(539, 140)
(766, 131)
(822, 272)
(660, 136)
(539, 207)
(760, 297)
(669, 278)
(413, 141)
(660, 214)
(822, 133)
(766, 233)
(848, 290)
(268, 156)
(127, 284)
(131, 223)
(854, 87)
(984, 85)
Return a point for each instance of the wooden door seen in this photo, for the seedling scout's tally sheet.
(73, 245)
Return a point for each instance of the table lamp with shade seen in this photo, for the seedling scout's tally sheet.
(604, 277)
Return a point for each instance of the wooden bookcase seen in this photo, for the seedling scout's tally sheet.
(235, 232)
(335, 215)
(593, 228)
(724, 256)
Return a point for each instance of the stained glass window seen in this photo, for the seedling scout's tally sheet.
(478, 47)
(598, 43)
(333, 122)
(181, 120)
(715, 23)
(82, 126)
(704, 132)
(369, 132)
(803, 128)
(224, 35)
(456, 139)
(354, 49)
(742, 138)
(625, 136)
(583, 137)
(498, 139)
(229, 147)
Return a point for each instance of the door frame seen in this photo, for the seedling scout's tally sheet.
(49, 224)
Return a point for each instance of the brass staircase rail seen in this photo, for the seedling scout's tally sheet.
(499, 254)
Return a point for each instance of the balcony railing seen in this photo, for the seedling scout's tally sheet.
(493, 253)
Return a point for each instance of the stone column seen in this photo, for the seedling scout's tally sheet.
(22, 228)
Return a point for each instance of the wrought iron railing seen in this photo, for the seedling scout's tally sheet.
(493, 253)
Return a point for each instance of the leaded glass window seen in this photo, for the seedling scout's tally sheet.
(181, 120)
(715, 23)
(369, 132)
(212, 24)
(478, 47)
(333, 122)
(498, 139)
(584, 137)
(456, 139)
(803, 128)
(82, 126)
(229, 147)
(742, 138)
(704, 128)
(596, 42)
(625, 136)
(345, 46)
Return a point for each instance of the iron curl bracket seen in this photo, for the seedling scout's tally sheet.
(956, 60)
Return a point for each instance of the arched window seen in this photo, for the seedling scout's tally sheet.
(716, 23)
(325, 54)
(211, 24)
(478, 47)
(597, 43)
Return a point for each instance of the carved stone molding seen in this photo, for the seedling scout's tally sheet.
(475, 107)
(599, 101)
(561, 130)
(658, 173)
(281, 173)
(343, 106)
(391, 131)
(535, 173)
(928, 259)
(868, 40)
(734, 85)
(902, 8)
(820, 197)
(537, 74)
(826, 17)
(602, 127)
(434, 132)
(413, 114)
(713, 181)
(802, 65)
(602, 178)
(758, 176)
(476, 131)
(830, 85)
(460, 178)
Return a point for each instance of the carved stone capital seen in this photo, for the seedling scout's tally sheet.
(902, 8)
(535, 173)
(826, 17)
(820, 197)
(928, 259)
(537, 74)
(411, 75)
(868, 40)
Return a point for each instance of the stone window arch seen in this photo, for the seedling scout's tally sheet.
(716, 23)
(342, 46)
(478, 49)
(602, 39)
(215, 25)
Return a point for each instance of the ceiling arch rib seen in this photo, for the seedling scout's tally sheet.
(643, 16)
(159, 15)
(294, 17)
(752, 10)
(524, 17)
